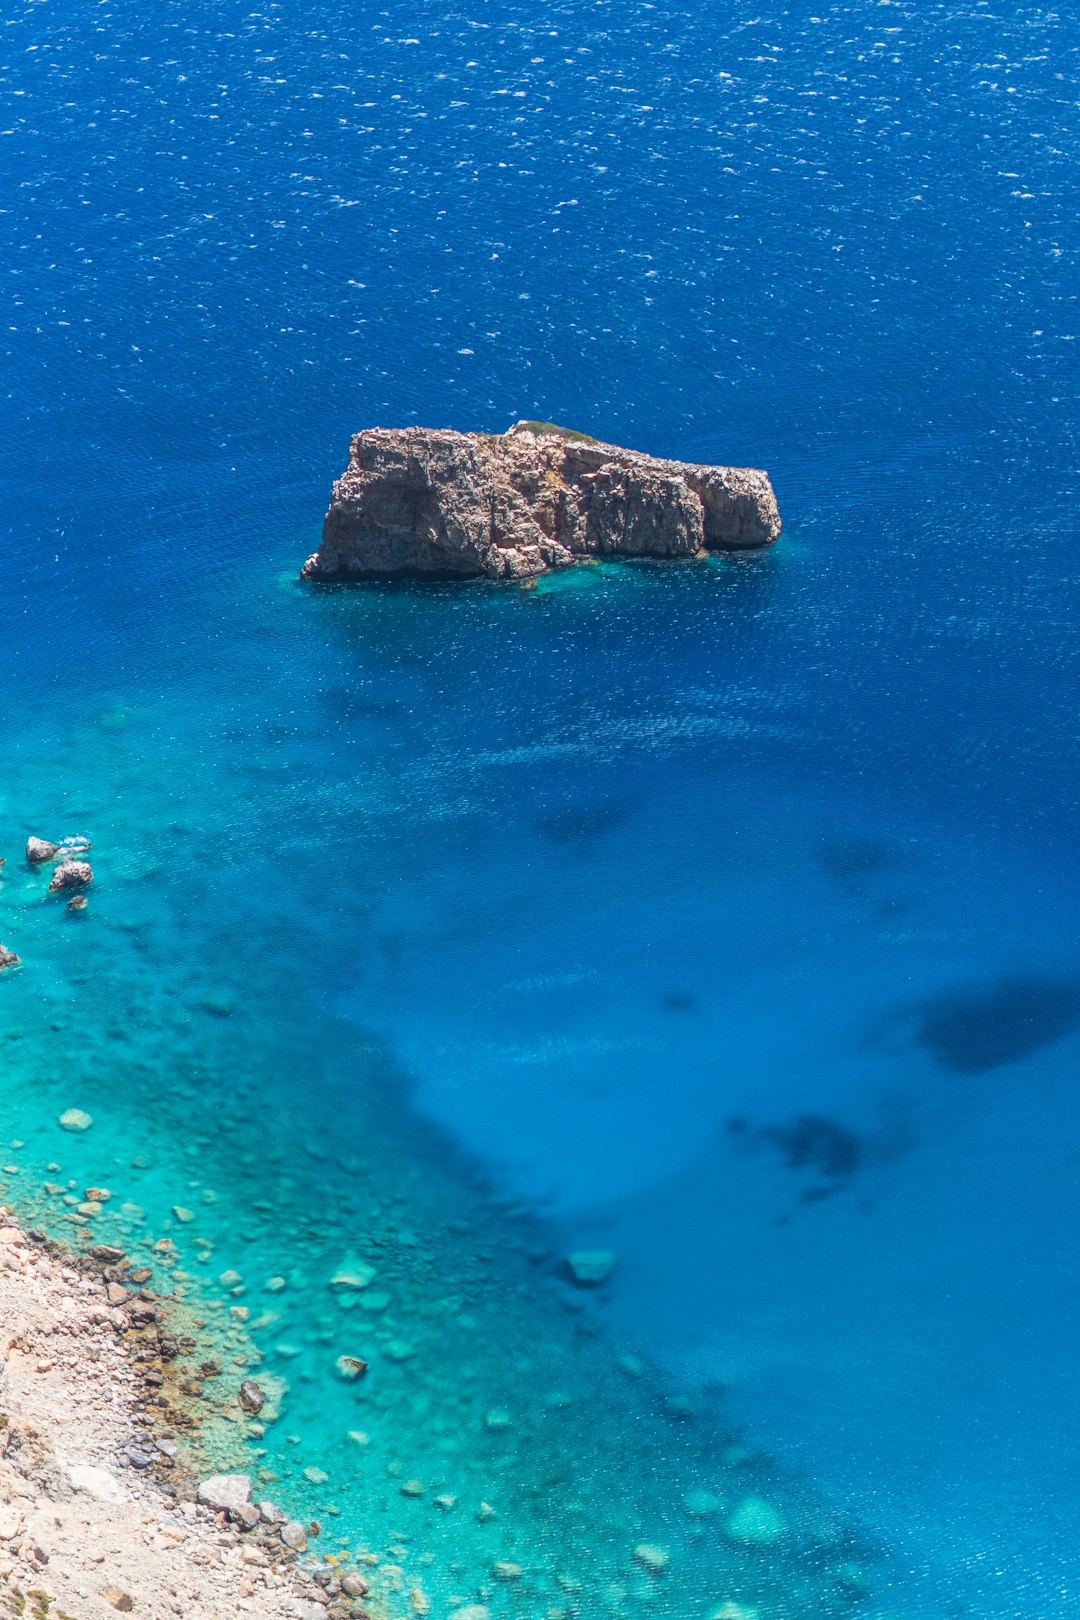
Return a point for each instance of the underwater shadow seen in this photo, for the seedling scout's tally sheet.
(970, 1031)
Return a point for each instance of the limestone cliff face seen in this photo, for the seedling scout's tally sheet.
(427, 501)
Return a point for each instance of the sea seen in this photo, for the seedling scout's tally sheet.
(717, 916)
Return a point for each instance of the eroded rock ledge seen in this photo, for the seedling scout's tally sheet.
(513, 505)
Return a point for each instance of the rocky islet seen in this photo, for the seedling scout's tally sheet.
(514, 505)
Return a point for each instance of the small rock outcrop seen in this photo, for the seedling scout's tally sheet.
(513, 505)
(39, 850)
(70, 875)
(8, 958)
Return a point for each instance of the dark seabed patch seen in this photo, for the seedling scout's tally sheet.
(812, 1142)
(976, 1029)
(850, 862)
(582, 821)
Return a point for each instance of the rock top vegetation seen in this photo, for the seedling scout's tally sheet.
(513, 505)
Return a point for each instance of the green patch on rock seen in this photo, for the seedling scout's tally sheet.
(553, 428)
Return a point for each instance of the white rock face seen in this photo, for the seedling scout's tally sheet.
(225, 1493)
(96, 1482)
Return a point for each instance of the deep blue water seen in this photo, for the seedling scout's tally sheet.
(726, 913)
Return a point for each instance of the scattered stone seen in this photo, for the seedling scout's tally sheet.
(70, 875)
(247, 1516)
(116, 1294)
(8, 958)
(447, 1502)
(633, 1366)
(755, 1523)
(117, 1598)
(497, 1421)
(100, 1195)
(485, 1513)
(352, 1273)
(734, 1611)
(225, 1492)
(350, 1368)
(74, 1119)
(680, 1406)
(274, 1285)
(78, 902)
(354, 1585)
(271, 1514)
(588, 1268)
(251, 1396)
(503, 1570)
(301, 1609)
(652, 1557)
(316, 1476)
(141, 1274)
(109, 1255)
(183, 1215)
(412, 1487)
(294, 1535)
(39, 850)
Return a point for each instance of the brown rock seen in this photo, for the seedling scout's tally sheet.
(512, 505)
(251, 1396)
(39, 850)
(119, 1599)
(71, 875)
(7, 958)
(78, 902)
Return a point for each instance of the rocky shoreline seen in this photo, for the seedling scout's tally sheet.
(100, 1509)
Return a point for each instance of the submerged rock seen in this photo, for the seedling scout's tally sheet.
(350, 1368)
(7, 958)
(70, 875)
(352, 1273)
(39, 850)
(75, 1119)
(652, 1557)
(78, 902)
(588, 1268)
(756, 1523)
(513, 505)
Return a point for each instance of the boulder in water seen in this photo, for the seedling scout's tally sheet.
(70, 875)
(39, 850)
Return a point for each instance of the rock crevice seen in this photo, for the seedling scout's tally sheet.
(513, 505)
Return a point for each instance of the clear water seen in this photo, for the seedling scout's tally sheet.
(722, 915)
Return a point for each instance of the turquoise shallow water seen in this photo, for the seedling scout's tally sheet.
(721, 915)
